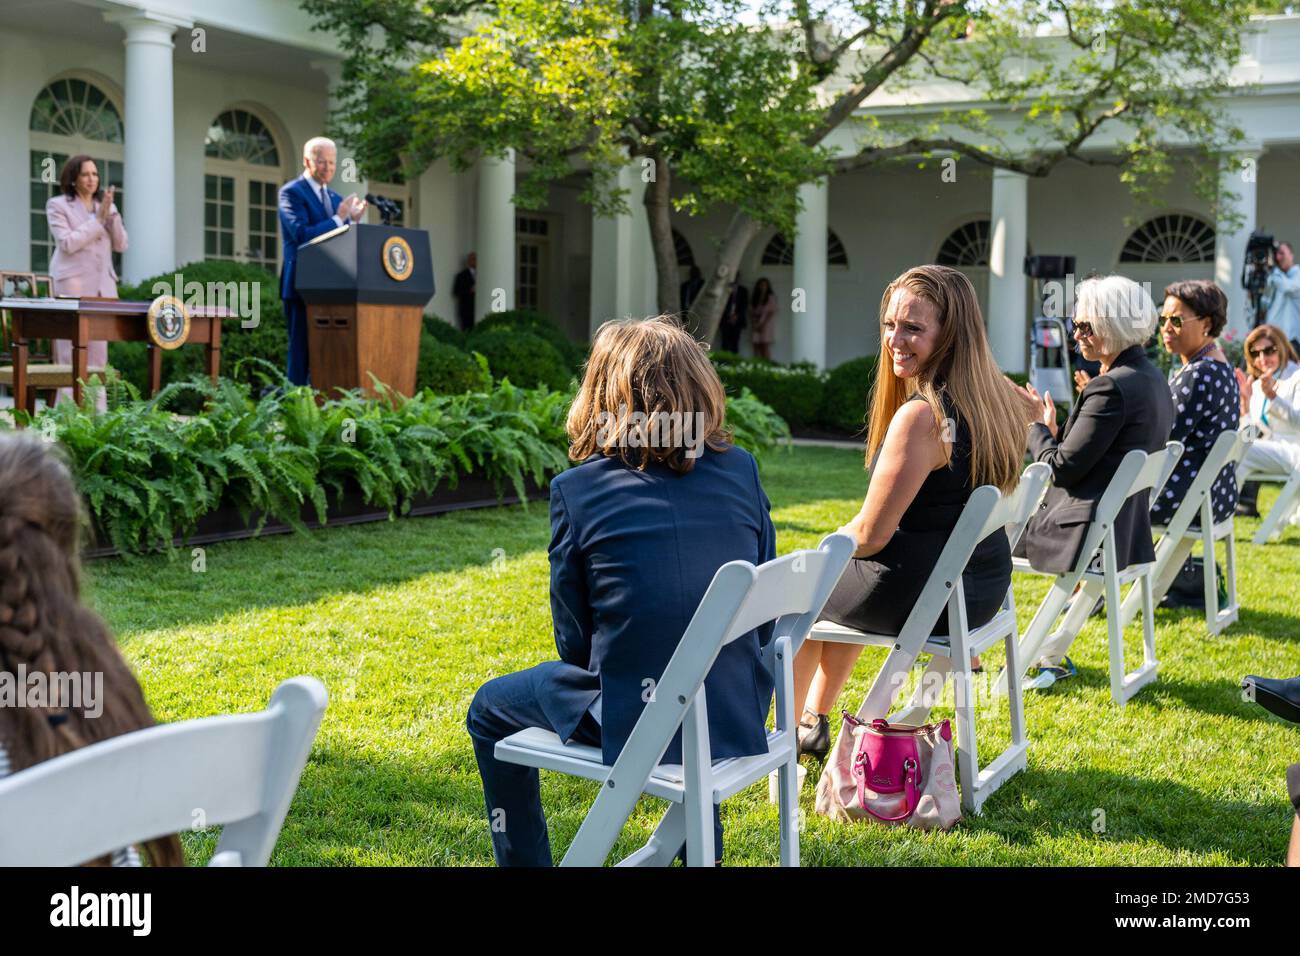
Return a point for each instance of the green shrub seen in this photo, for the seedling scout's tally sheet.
(793, 391)
(845, 394)
(754, 426)
(446, 370)
(517, 354)
(723, 357)
(444, 332)
(268, 340)
(539, 324)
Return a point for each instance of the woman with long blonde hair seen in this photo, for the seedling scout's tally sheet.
(943, 422)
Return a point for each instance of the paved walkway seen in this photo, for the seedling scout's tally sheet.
(828, 443)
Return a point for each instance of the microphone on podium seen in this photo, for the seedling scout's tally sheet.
(388, 210)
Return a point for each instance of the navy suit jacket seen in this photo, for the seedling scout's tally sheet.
(632, 552)
(303, 217)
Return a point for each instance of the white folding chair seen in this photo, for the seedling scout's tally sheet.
(1138, 471)
(790, 591)
(1271, 527)
(240, 770)
(1178, 537)
(986, 513)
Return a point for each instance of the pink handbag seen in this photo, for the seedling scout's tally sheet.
(892, 774)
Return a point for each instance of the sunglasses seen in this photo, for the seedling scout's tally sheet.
(1083, 329)
(1268, 350)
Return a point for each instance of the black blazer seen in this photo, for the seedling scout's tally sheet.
(1128, 407)
(632, 552)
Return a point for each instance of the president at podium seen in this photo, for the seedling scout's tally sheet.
(308, 208)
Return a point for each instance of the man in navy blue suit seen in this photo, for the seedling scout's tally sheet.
(308, 208)
(638, 531)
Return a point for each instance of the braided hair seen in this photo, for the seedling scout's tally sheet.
(45, 628)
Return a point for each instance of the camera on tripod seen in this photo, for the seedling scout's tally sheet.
(1260, 250)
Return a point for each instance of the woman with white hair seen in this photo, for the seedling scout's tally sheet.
(1126, 406)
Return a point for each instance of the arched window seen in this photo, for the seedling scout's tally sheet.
(1176, 237)
(780, 251)
(239, 136)
(967, 245)
(70, 116)
(241, 182)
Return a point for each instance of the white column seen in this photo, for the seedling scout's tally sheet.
(623, 277)
(1008, 302)
(1239, 179)
(808, 299)
(495, 279)
(150, 152)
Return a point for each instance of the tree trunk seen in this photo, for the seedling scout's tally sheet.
(708, 305)
(659, 215)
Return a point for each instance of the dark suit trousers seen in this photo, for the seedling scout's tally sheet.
(512, 793)
(295, 315)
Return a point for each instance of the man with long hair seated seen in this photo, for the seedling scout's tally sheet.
(660, 501)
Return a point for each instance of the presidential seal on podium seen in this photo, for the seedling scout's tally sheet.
(398, 261)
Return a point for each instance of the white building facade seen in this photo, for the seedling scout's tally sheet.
(197, 111)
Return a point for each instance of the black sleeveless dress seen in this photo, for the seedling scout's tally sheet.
(876, 594)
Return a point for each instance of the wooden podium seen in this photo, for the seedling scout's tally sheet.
(365, 288)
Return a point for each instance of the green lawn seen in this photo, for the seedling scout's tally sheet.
(403, 620)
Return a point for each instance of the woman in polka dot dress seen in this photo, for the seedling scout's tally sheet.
(1206, 396)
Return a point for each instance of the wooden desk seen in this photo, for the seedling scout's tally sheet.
(83, 321)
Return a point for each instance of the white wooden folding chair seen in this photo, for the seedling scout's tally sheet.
(790, 591)
(1138, 471)
(1178, 537)
(986, 513)
(1270, 528)
(240, 770)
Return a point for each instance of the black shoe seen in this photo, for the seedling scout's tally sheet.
(1280, 697)
(1246, 511)
(815, 738)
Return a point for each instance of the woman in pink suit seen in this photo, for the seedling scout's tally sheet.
(87, 230)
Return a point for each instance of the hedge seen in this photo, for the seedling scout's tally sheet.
(529, 320)
(526, 359)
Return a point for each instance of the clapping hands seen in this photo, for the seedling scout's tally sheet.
(1244, 387)
(353, 208)
(1039, 409)
(105, 205)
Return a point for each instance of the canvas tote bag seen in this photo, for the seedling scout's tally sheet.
(892, 774)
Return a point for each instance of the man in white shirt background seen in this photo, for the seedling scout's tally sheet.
(1282, 294)
(308, 208)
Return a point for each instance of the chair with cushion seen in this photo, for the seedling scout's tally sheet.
(44, 376)
(790, 591)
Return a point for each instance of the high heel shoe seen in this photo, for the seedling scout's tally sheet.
(815, 737)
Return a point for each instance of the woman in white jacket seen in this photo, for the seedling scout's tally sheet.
(87, 230)
(1270, 400)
